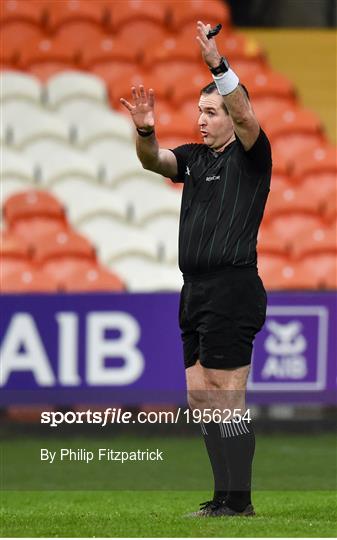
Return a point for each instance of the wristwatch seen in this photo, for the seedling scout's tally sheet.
(223, 67)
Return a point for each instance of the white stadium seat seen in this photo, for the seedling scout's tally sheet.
(19, 86)
(148, 194)
(85, 199)
(114, 238)
(26, 122)
(76, 110)
(15, 166)
(102, 124)
(53, 160)
(143, 274)
(114, 159)
(75, 84)
(165, 228)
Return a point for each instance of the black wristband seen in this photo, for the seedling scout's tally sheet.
(144, 133)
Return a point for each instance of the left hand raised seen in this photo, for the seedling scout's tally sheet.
(208, 47)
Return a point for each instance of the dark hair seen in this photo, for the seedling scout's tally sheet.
(211, 88)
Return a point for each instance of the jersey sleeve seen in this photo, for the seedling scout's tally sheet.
(182, 154)
(259, 155)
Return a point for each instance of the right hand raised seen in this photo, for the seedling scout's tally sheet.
(141, 109)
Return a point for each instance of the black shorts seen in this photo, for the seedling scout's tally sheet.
(219, 316)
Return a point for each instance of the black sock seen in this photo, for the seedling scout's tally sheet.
(214, 444)
(239, 445)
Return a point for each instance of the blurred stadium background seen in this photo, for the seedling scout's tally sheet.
(82, 220)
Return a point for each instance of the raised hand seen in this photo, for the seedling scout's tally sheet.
(208, 47)
(141, 108)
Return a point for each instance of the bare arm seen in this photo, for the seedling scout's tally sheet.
(245, 122)
(152, 157)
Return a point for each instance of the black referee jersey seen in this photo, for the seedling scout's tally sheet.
(222, 204)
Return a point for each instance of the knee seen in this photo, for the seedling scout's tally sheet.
(197, 399)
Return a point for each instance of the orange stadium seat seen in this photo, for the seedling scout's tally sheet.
(68, 11)
(32, 214)
(35, 11)
(171, 123)
(173, 47)
(29, 280)
(95, 278)
(144, 34)
(236, 46)
(287, 226)
(31, 203)
(330, 210)
(16, 36)
(270, 83)
(316, 240)
(294, 130)
(294, 199)
(80, 37)
(319, 270)
(47, 57)
(274, 269)
(316, 161)
(190, 11)
(63, 252)
(110, 49)
(14, 254)
(126, 11)
(270, 243)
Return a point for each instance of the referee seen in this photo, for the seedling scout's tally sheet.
(223, 301)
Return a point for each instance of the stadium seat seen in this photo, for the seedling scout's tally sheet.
(185, 87)
(330, 210)
(270, 243)
(190, 11)
(16, 36)
(316, 240)
(61, 14)
(319, 270)
(115, 238)
(122, 87)
(25, 122)
(125, 12)
(71, 85)
(25, 11)
(53, 160)
(144, 33)
(294, 130)
(237, 47)
(14, 254)
(271, 93)
(108, 49)
(276, 270)
(63, 252)
(147, 194)
(293, 199)
(81, 38)
(144, 274)
(33, 214)
(112, 71)
(102, 123)
(29, 280)
(46, 57)
(171, 122)
(175, 47)
(114, 160)
(95, 199)
(94, 279)
(32, 203)
(14, 166)
(288, 226)
(316, 161)
(164, 227)
(16, 86)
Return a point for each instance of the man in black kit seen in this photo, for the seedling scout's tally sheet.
(223, 300)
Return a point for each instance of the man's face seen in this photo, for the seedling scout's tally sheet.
(215, 125)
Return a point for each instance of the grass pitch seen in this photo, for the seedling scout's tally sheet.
(144, 512)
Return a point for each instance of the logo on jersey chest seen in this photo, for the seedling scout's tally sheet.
(211, 178)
